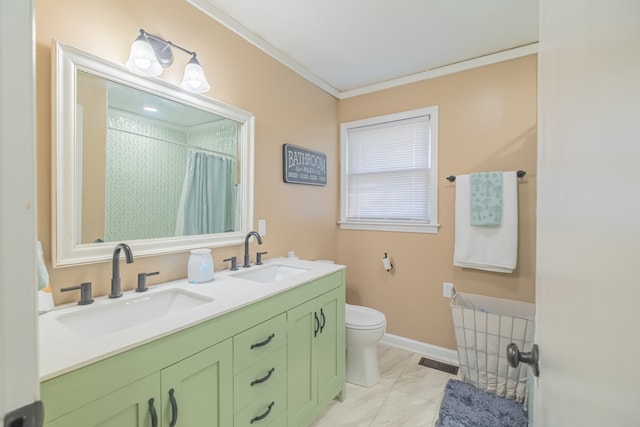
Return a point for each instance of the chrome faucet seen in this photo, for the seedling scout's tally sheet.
(246, 246)
(115, 268)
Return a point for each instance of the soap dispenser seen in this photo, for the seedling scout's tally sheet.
(200, 266)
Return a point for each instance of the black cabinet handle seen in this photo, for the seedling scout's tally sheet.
(263, 379)
(263, 416)
(174, 409)
(154, 414)
(317, 327)
(324, 320)
(265, 342)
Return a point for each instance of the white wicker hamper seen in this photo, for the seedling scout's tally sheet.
(484, 326)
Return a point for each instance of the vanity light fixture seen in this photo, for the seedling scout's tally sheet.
(150, 54)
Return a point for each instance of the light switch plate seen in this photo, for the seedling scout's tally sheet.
(262, 227)
(447, 290)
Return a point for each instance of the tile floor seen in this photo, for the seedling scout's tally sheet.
(408, 395)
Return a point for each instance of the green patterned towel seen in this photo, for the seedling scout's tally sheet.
(486, 198)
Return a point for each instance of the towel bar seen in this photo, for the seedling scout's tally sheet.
(520, 174)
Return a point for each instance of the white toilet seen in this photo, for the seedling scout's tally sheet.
(364, 329)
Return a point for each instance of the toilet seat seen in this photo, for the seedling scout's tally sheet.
(363, 318)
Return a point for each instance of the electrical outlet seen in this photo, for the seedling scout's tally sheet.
(262, 227)
(447, 290)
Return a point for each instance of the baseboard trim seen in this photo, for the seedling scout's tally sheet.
(429, 350)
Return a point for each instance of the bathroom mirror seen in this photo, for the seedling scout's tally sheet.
(141, 161)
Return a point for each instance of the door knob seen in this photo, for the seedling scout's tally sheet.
(514, 357)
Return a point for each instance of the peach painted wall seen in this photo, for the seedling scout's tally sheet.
(287, 108)
(487, 121)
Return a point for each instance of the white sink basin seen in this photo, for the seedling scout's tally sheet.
(118, 315)
(270, 273)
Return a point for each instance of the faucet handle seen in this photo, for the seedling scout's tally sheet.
(259, 257)
(142, 281)
(85, 292)
(234, 262)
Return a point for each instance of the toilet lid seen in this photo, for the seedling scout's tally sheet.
(359, 317)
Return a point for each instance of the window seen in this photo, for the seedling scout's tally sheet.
(389, 172)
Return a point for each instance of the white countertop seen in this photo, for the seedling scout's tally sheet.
(63, 350)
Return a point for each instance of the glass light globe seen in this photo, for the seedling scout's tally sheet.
(142, 59)
(194, 79)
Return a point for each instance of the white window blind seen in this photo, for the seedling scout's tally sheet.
(387, 172)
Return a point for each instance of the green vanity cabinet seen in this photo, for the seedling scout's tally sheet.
(198, 386)
(266, 364)
(315, 356)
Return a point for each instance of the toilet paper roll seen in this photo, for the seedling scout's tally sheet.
(386, 263)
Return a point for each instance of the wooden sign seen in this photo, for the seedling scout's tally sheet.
(303, 166)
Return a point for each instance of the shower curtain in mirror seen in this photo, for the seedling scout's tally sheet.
(207, 203)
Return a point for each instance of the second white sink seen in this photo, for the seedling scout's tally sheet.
(118, 315)
(270, 273)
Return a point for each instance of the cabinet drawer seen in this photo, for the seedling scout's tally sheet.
(279, 421)
(259, 378)
(256, 343)
(265, 410)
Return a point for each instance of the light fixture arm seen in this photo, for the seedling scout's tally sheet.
(165, 43)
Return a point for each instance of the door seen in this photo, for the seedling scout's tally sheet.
(18, 344)
(302, 328)
(198, 391)
(588, 209)
(316, 360)
(136, 405)
(330, 354)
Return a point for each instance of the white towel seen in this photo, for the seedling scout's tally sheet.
(487, 248)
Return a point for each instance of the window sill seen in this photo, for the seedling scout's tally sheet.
(402, 228)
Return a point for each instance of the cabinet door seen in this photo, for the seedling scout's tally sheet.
(126, 407)
(198, 391)
(302, 328)
(330, 344)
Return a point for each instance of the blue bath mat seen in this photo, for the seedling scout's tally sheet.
(464, 405)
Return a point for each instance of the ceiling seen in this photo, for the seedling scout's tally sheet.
(351, 47)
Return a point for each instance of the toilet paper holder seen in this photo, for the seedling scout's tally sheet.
(386, 262)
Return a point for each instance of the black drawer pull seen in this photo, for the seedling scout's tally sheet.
(174, 409)
(265, 342)
(317, 327)
(263, 416)
(263, 379)
(154, 414)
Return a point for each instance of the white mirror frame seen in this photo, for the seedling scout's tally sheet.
(65, 171)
